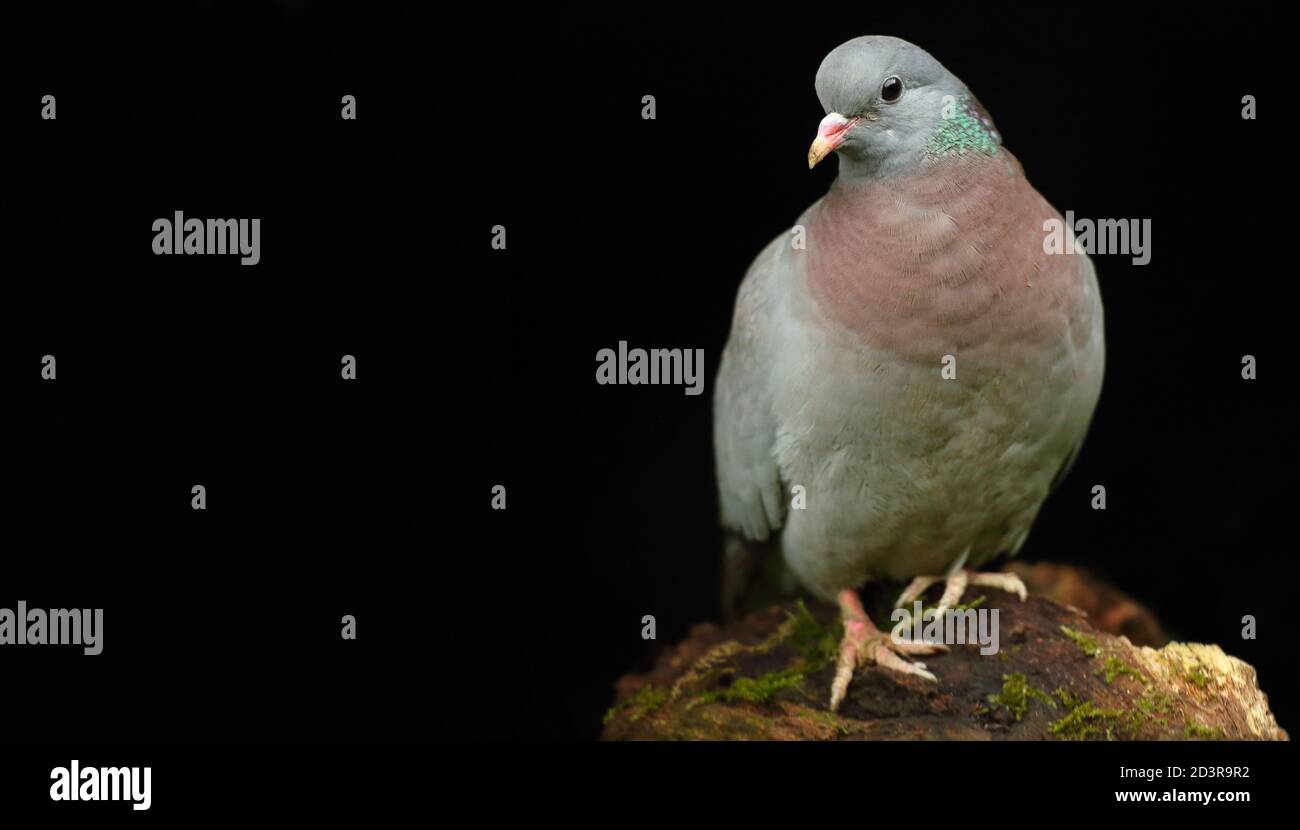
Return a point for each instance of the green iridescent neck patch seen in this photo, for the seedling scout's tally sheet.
(964, 129)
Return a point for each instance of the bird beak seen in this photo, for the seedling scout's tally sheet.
(830, 134)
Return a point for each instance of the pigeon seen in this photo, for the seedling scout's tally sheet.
(909, 371)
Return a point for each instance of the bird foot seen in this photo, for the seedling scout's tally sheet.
(864, 644)
(957, 583)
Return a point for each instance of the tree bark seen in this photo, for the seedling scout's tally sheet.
(1058, 675)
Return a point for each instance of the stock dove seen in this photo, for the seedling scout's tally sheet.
(917, 363)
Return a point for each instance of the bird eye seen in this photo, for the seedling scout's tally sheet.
(891, 89)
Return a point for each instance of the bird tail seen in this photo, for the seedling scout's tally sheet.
(754, 576)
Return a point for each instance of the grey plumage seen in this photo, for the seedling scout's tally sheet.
(927, 247)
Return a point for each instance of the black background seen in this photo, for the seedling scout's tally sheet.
(477, 367)
(324, 497)
(641, 231)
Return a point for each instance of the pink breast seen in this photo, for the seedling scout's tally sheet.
(946, 261)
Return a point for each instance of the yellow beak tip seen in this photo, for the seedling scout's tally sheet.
(820, 149)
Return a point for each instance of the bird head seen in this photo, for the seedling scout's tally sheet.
(888, 105)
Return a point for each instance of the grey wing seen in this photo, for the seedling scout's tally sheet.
(1096, 358)
(1066, 466)
(1096, 343)
(744, 428)
(744, 433)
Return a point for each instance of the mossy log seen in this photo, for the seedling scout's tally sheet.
(1057, 676)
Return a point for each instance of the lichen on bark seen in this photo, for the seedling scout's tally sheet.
(1056, 677)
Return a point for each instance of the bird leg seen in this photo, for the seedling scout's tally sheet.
(864, 644)
(957, 582)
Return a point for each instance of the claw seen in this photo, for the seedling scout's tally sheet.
(957, 583)
(1008, 582)
(952, 592)
(890, 660)
(914, 589)
(912, 647)
(864, 643)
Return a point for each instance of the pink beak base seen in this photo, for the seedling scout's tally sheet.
(830, 134)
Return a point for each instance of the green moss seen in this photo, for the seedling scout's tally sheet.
(1068, 699)
(1085, 643)
(817, 645)
(1016, 694)
(1196, 732)
(761, 689)
(646, 700)
(1152, 706)
(1114, 667)
(1155, 703)
(782, 633)
(1086, 721)
(1196, 678)
(814, 645)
